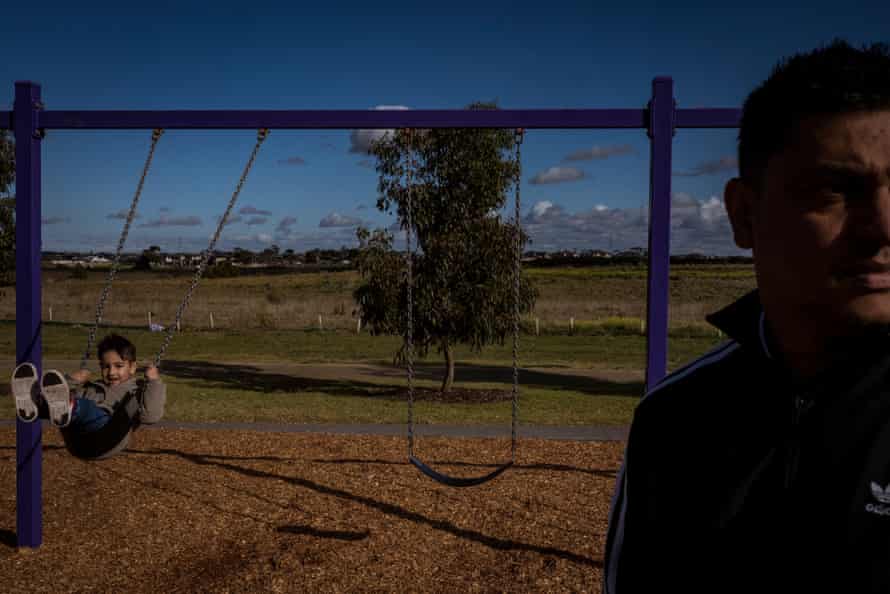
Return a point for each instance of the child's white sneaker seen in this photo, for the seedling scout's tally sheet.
(58, 397)
(24, 380)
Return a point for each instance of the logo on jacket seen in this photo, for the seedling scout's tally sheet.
(882, 494)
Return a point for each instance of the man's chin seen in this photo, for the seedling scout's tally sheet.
(866, 315)
(867, 309)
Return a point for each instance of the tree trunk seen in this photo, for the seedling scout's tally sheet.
(449, 368)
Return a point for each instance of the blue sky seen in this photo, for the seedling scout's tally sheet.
(310, 188)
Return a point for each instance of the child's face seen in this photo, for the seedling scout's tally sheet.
(116, 370)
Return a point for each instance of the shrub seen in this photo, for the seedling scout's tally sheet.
(79, 272)
(222, 270)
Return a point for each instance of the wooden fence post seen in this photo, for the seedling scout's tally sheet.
(211, 320)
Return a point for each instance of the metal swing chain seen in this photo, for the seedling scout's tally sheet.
(409, 333)
(517, 262)
(100, 307)
(261, 136)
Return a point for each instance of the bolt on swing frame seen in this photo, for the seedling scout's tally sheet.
(28, 120)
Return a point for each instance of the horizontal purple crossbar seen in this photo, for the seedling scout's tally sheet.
(369, 119)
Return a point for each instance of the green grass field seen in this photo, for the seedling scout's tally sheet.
(223, 375)
(222, 394)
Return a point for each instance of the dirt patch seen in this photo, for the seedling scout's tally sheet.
(461, 395)
(240, 511)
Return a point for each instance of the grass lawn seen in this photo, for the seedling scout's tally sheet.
(209, 377)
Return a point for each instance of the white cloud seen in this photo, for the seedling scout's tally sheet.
(597, 152)
(335, 219)
(248, 239)
(256, 221)
(696, 226)
(285, 224)
(285, 230)
(122, 215)
(556, 175)
(166, 221)
(360, 141)
(251, 210)
(544, 211)
(725, 164)
(713, 210)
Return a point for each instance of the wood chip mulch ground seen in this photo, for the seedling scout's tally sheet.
(226, 511)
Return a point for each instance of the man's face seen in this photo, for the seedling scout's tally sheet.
(820, 231)
(116, 370)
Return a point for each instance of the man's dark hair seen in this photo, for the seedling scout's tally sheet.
(830, 80)
(120, 345)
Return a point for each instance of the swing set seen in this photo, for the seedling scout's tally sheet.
(29, 121)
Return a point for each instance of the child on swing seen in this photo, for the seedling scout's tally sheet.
(79, 406)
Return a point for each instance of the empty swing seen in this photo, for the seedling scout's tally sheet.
(409, 335)
(94, 445)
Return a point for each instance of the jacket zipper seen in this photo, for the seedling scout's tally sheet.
(793, 451)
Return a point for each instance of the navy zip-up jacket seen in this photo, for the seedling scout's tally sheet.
(737, 479)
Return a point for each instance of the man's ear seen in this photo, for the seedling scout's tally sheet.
(740, 201)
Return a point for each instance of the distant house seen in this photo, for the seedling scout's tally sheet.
(97, 261)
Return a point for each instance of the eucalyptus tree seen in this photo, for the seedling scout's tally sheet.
(457, 182)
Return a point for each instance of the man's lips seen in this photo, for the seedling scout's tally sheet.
(868, 276)
(872, 280)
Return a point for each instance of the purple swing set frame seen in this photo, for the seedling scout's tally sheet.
(28, 119)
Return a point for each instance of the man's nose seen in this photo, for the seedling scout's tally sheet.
(875, 220)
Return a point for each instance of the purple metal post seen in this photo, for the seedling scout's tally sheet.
(661, 132)
(28, 347)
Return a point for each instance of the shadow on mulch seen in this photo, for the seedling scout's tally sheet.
(249, 377)
(334, 534)
(390, 509)
(8, 538)
(612, 473)
(542, 467)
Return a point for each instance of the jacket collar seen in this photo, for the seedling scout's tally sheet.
(744, 321)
